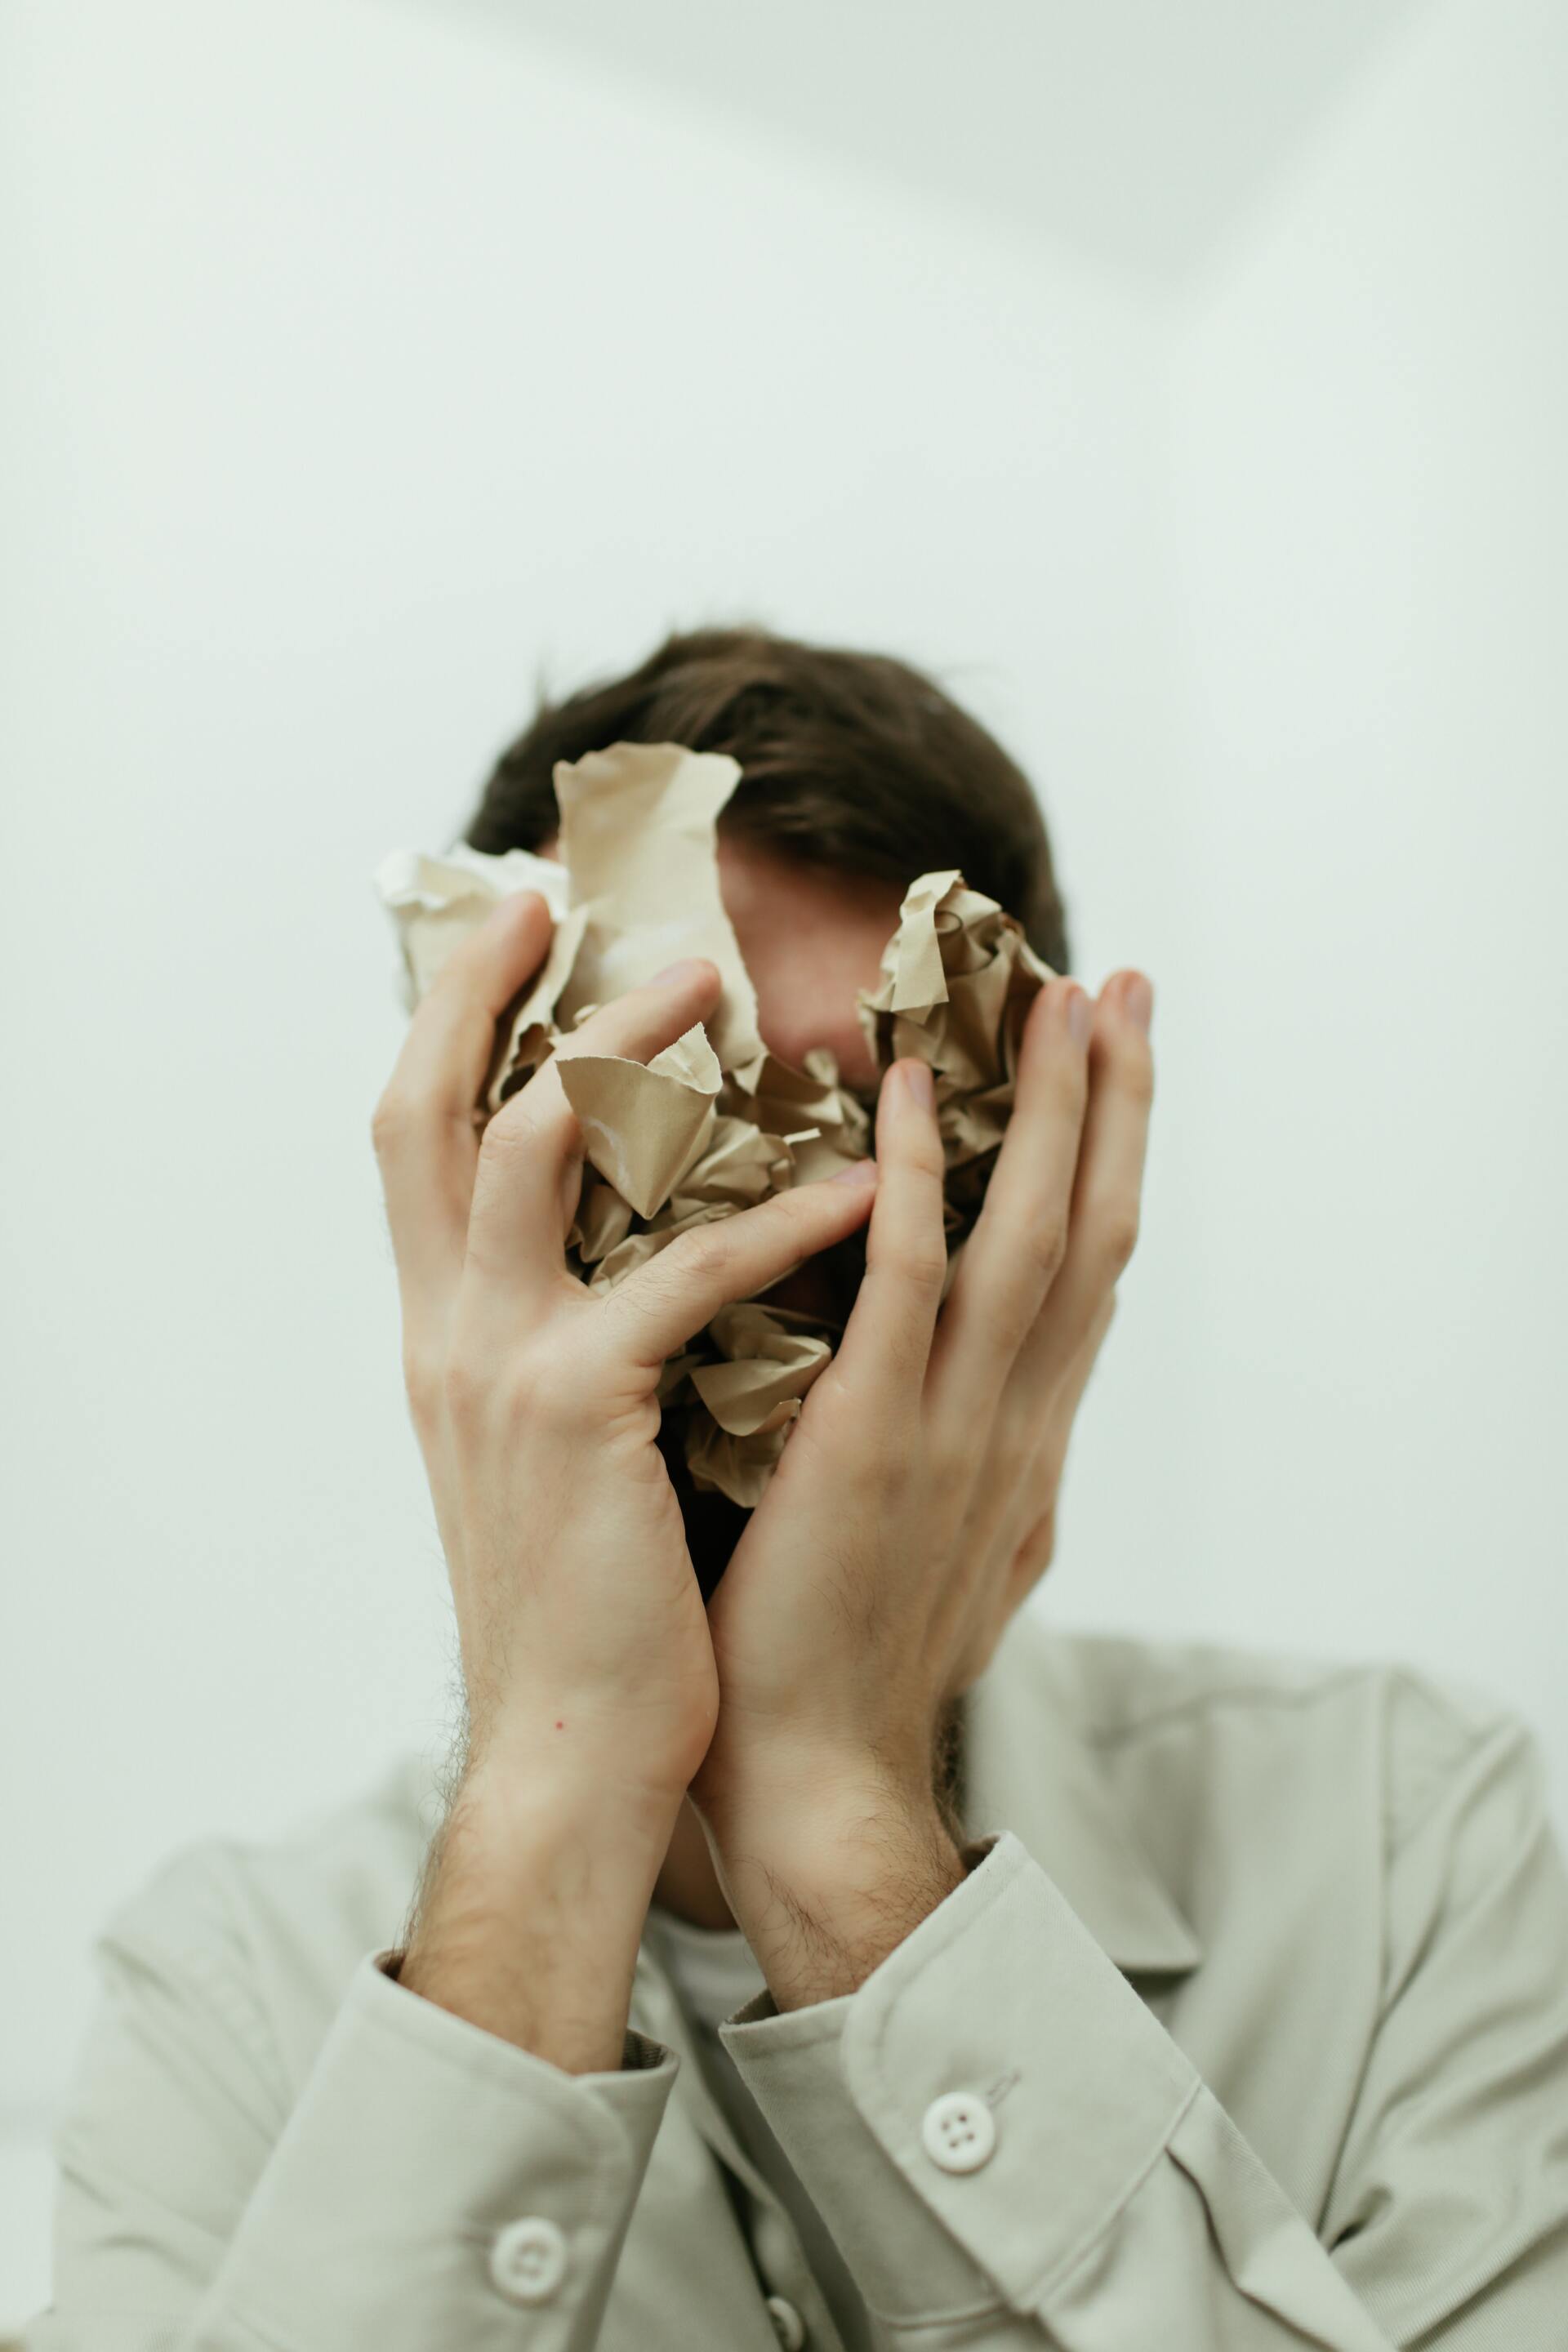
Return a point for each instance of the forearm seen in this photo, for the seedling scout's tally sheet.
(533, 1908)
(825, 1895)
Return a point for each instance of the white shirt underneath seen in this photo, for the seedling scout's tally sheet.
(715, 1972)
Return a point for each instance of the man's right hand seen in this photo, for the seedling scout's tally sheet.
(589, 1671)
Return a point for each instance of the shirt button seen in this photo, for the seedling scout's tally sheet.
(528, 2260)
(788, 2324)
(958, 2131)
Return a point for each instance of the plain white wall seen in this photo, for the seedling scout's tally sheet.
(362, 356)
(1371, 484)
(364, 359)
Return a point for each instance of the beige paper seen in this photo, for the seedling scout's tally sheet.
(958, 977)
(435, 901)
(644, 1124)
(637, 838)
(715, 1122)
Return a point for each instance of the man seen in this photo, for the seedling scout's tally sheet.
(842, 1960)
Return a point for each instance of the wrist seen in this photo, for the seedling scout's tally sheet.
(531, 1909)
(848, 1838)
(506, 1800)
(824, 1899)
(814, 1806)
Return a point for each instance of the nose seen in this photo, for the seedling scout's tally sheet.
(791, 1030)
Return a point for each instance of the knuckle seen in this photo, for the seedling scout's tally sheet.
(1136, 1075)
(541, 1390)
(507, 1133)
(509, 1138)
(389, 1121)
(464, 1385)
(699, 1256)
(1042, 1245)
(950, 1463)
(1118, 1235)
(837, 1400)
(422, 1380)
(1014, 1315)
(524, 1389)
(921, 1262)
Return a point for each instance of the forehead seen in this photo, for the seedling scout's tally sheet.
(811, 937)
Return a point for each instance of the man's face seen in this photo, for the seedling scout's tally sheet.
(809, 939)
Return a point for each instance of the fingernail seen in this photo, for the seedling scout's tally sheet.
(1139, 999)
(863, 1173)
(1080, 1017)
(675, 974)
(921, 1084)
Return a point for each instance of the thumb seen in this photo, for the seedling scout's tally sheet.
(671, 1296)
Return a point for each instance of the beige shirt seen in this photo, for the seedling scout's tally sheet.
(1247, 2028)
(714, 1973)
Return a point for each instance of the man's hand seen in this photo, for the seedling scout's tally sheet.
(589, 1669)
(914, 1504)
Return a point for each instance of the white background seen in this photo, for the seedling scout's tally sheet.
(1184, 386)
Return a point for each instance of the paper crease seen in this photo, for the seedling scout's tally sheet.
(715, 1122)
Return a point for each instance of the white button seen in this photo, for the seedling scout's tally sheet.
(958, 2131)
(528, 2260)
(788, 2324)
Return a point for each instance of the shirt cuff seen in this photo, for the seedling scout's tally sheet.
(996, 2073)
(432, 2179)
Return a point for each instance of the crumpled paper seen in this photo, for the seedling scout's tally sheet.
(715, 1122)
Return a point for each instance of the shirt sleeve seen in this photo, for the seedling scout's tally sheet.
(1014, 2153)
(430, 2184)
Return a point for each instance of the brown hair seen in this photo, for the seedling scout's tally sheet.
(852, 760)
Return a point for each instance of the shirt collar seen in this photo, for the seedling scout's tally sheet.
(1030, 1766)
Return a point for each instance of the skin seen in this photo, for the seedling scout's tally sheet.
(766, 1761)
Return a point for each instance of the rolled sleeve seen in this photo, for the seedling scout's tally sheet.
(429, 2184)
(1094, 2195)
(1115, 2203)
(395, 2205)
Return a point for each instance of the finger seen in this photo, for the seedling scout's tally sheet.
(532, 1147)
(1046, 1413)
(1068, 1392)
(1032, 1558)
(656, 1310)
(1103, 1219)
(887, 1341)
(1019, 1242)
(423, 1128)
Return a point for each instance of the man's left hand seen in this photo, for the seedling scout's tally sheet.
(914, 1504)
